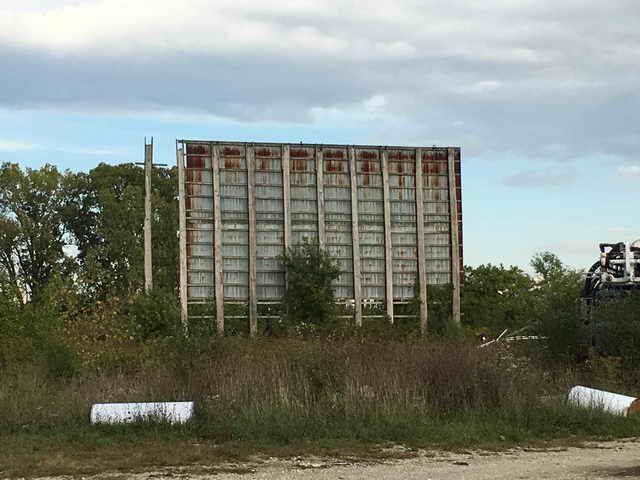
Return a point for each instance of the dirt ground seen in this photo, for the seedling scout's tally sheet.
(606, 460)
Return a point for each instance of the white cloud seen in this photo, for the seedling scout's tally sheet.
(13, 145)
(223, 27)
(533, 77)
(629, 171)
(375, 104)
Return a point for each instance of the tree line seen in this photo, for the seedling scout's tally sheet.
(81, 234)
(85, 229)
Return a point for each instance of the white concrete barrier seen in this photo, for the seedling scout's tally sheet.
(610, 402)
(172, 412)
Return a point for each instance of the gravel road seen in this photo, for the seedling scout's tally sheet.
(607, 460)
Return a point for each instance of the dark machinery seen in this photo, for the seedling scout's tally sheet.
(615, 274)
(613, 277)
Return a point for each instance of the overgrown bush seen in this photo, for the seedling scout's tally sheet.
(309, 300)
(155, 314)
(616, 327)
(563, 325)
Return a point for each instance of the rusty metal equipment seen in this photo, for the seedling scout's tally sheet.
(391, 217)
(615, 275)
(616, 272)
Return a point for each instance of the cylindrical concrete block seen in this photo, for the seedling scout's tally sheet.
(610, 402)
(172, 412)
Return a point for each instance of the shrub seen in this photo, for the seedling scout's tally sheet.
(309, 301)
(616, 325)
(155, 314)
(101, 337)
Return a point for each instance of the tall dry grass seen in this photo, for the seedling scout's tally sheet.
(281, 393)
(243, 387)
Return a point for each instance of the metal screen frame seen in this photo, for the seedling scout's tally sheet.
(391, 216)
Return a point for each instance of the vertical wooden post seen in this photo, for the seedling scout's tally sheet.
(286, 196)
(355, 235)
(422, 275)
(455, 240)
(184, 312)
(251, 193)
(148, 265)
(388, 251)
(286, 207)
(217, 239)
(320, 196)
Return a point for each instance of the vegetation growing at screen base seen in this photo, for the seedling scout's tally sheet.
(76, 329)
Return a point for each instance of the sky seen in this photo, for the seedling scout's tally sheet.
(542, 96)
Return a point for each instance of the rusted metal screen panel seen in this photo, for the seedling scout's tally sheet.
(269, 195)
(401, 165)
(304, 200)
(235, 221)
(458, 182)
(199, 222)
(337, 221)
(435, 185)
(371, 222)
(299, 221)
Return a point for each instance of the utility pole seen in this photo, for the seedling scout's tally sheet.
(148, 260)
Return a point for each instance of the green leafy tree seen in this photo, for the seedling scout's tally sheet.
(309, 297)
(556, 283)
(9, 271)
(494, 297)
(558, 311)
(107, 219)
(32, 227)
(548, 267)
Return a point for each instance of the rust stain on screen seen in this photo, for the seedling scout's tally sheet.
(299, 165)
(263, 152)
(190, 237)
(298, 153)
(365, 155)
(197, 149)
(400, 155)
(335, 166)
(336, 154)
(366, 167)
(194, 176)
(231, 151)
(232, 163)
(195, 161)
